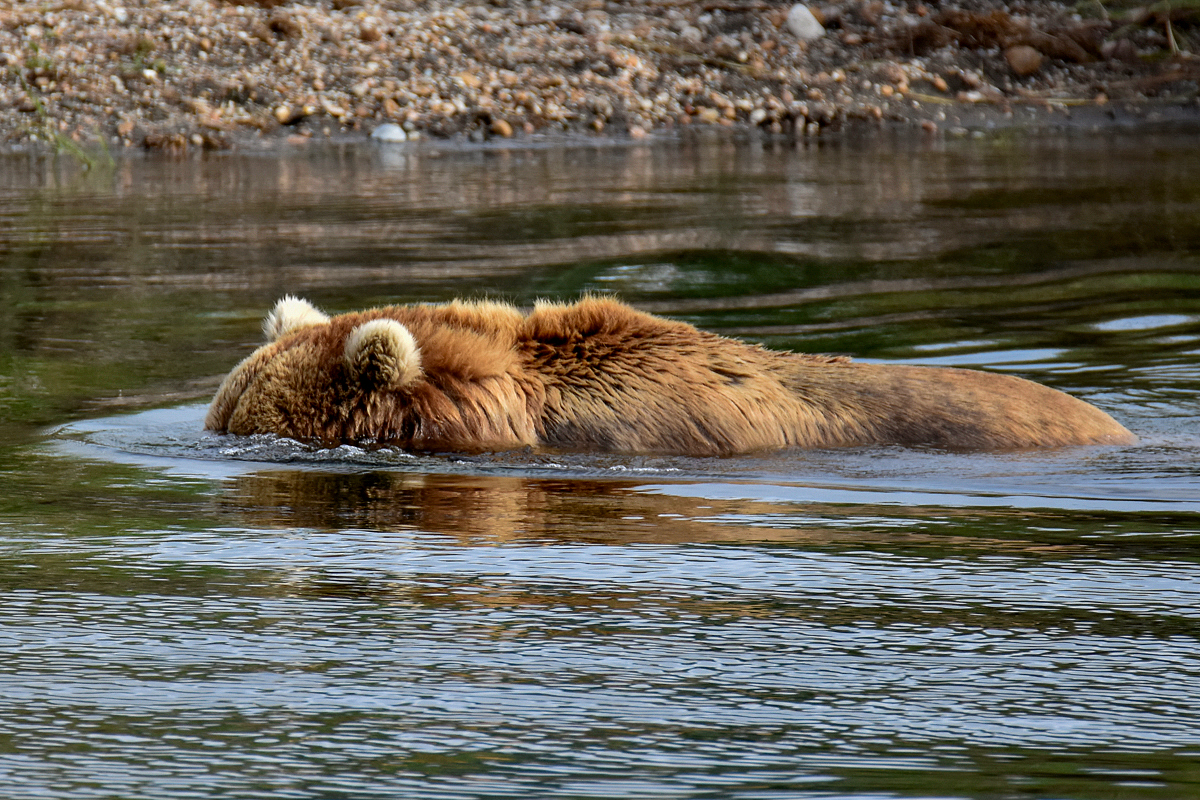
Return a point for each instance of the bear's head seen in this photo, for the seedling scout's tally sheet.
(316, 377)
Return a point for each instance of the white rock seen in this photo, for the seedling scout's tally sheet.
(388, 132)
(803, 24)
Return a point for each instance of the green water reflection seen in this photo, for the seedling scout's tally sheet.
(191, 616)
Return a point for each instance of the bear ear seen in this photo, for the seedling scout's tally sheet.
(291, 313)
(384, 354)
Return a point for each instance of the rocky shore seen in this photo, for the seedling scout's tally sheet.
(211, 74)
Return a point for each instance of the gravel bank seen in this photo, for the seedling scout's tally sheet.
(200, 73)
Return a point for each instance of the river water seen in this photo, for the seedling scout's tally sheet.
(189, 615)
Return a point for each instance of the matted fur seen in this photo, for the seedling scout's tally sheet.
(597, 375)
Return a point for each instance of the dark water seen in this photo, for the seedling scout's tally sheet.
(198, 616)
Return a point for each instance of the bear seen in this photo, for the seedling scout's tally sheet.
(597, 375)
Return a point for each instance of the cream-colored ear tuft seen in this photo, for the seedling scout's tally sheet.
(290, 314)
(383, 353)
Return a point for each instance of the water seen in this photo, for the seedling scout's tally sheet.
(198, 616)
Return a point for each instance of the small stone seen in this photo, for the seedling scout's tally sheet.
(940, 84)
(637, 132)
(284, 24)
(501, 127)
(871, 12)
(332, 109)
(709, 115)
(929, 126)
(1023, 60)
(803, 25)
(893, 73)
(1120, 50)
(389, 132)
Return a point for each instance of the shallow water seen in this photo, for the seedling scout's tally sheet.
(197, 616)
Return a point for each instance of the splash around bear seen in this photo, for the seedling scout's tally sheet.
(599, 376)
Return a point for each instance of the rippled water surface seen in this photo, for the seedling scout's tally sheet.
(190, 615)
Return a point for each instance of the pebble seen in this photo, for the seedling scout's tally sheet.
(1120, 50)
(803, 24)
(389, 132)
(1023, 60)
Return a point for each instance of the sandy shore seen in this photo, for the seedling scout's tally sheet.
(200, 73)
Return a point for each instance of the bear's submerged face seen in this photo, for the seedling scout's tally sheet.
(598, 375)
(311, 372)
(361, 378)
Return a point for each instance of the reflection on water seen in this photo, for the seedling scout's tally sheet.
(191, 615)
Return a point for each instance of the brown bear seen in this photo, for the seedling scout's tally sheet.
(597, 375)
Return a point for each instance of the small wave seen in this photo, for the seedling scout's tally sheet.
(267, 447)
(1156, 476)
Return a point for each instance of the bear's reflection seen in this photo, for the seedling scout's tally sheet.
(490, 509)
(485, 510)
(475, 509)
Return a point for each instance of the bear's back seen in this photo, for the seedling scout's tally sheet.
(620, 380)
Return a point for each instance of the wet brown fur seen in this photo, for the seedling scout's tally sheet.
(597, 375)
